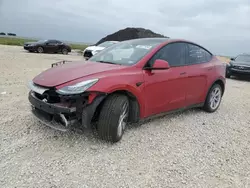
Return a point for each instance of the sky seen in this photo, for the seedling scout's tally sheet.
(222, 26)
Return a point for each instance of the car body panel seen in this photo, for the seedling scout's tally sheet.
(156, 91)
(199, 77)
(239, 67)
(47, 46)
(72, 71)
(164, 90)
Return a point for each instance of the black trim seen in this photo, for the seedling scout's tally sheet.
(171, 112)
(49, 108)
(89, 111)
(49, 120)
(146, 67)
(186, 42)
(187, 59)
(139, 84)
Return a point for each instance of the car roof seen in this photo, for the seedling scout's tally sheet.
(162, 39)
(165, 40)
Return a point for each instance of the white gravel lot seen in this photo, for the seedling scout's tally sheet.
(189, 149)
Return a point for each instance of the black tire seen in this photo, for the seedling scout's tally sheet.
(40, 49)
(134, 112)
(65, 51)
(228, 75)
(110, 114)
(30, 51)
(208, 105)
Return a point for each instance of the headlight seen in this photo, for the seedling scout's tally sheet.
(77, 88)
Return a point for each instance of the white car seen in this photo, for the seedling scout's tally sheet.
(92, 50)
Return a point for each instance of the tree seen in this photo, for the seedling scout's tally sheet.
(11, 34)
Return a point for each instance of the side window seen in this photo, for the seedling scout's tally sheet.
(52, 42)
(173, 53)
(58, 42)
(197, 55)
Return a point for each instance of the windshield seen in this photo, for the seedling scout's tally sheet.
(127, 52)
(245, 58)
(106, 44)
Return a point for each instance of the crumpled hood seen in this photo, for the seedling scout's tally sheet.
(74, 70)
(93, 48)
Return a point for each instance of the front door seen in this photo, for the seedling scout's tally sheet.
(52, 46)
(165, 90)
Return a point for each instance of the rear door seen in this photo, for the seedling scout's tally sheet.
(165, 90)
(199, 67)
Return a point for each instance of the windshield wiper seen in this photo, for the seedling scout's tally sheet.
(107, 62)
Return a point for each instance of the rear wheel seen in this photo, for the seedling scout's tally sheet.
(65, 51)
(40, 49)
(213, 100)
(113, 118)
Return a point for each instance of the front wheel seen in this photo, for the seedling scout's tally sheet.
(40, 49)
(113, 118)
(213, 99)
(64, 51)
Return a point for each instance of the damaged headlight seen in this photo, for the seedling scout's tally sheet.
(77, 88)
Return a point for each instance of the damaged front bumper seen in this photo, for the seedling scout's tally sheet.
(62, 116)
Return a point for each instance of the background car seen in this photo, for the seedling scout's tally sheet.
(239, 66)
(128, 82)
(48, 46)
(92, 50)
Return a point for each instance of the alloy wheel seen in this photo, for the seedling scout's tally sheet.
(122, 120)
(215, 98)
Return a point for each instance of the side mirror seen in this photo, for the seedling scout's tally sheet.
(232, 58)
(160, 64)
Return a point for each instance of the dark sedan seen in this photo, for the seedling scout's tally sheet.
(239, 66)
(47, 46)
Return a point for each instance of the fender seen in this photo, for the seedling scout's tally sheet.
(135, 92)
(223, 80)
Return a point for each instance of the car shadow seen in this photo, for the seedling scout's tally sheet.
(51, 53)
(90, 136)
(241, 78)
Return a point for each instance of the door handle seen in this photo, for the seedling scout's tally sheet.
(182, 73)
(210, 68)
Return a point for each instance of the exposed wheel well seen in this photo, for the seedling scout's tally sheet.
(134, 114)
(222, 85)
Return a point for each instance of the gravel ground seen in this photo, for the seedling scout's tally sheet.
(189, 149)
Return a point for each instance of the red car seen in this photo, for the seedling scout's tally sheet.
(128, 82)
